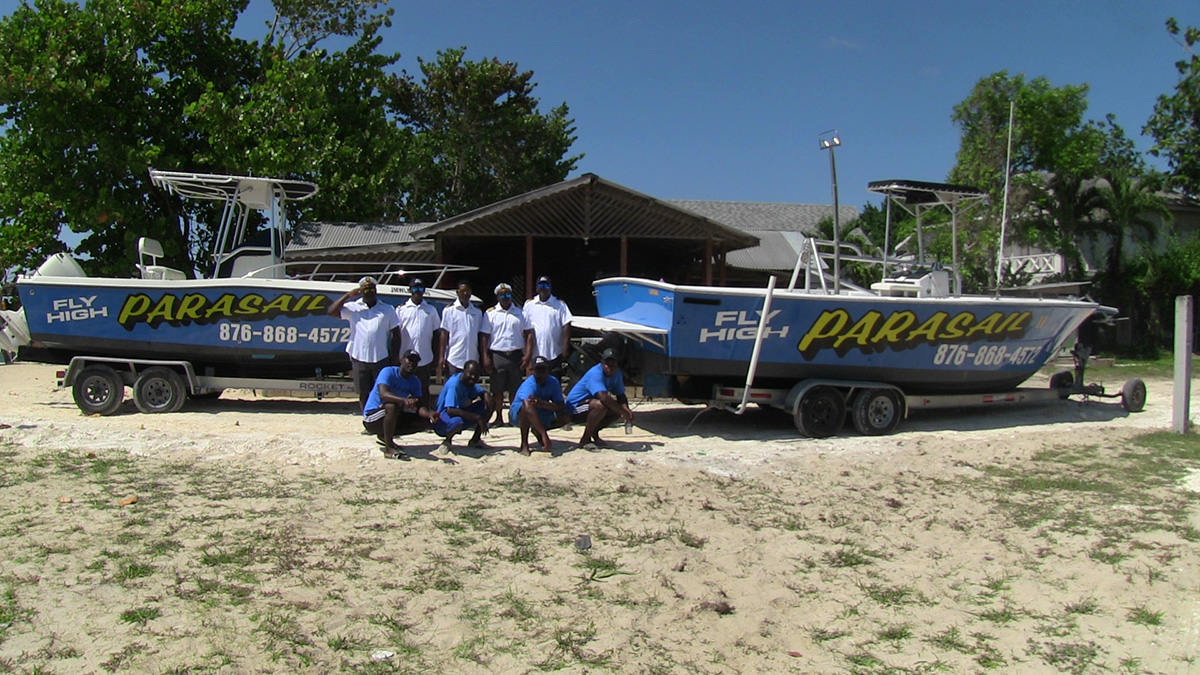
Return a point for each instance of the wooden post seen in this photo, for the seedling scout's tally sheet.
(624, 255)
(1183, 364)
(722, 263)
(708, 262)
(529, 267)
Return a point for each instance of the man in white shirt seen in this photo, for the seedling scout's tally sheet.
(374, 334)
(419, 320)
(550, 320)
(460, 333)
(504, 336)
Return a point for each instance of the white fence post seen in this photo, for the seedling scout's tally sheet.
(1183, 364)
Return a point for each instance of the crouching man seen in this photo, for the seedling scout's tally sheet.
(463, 403)
(598, 399)
(393, 407)
(538, 405)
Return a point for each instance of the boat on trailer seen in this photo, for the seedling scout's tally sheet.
(255, 316)
(821, 347)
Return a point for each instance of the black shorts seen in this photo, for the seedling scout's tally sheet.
(406, 422)
(506, 373)
(364, 375)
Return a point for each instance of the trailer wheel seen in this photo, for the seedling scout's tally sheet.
(159, 390)
(1062, 381)
(98, 390)
(821, 412)
(1133, 395)
(876, 412)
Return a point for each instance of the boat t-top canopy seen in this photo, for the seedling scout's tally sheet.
(915, 197)
(240, 195)
(254, 192)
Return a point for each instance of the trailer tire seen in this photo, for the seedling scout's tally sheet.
(876, 412)
(98, 390)
(1133, 395)
(159, 390)
(1062, 381)
(821, 412)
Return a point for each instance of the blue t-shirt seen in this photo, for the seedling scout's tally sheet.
(456, 394)
(551, 391)
(593, 382)
(397, 383)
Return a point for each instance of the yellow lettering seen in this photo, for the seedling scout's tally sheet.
(957, 326)
(929, 329)
(280, 304)
(827, 325)
(859, 332)
(894, 326)
(223, 307)
(134, 307)
(987, 326)
(190, 307)
(251, 304)
(163, 311)
(1018, 326)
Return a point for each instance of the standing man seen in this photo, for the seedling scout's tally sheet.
(374, 334)
(461, 404)
(419, 321)
(394, 407)
(460, 332)
(504, 337)
(550, 319)
(598, 399)
(538, 405)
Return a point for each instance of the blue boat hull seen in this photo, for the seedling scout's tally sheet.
(922, 345)
(276, 328)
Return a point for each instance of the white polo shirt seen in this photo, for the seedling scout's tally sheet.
(370, 329)
(463, 324)
(417, 324)
(506, 326)
(547, 319)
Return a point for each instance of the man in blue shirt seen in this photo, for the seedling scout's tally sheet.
(393, 408)
(538, 405)
(598, 399)
(463, 403)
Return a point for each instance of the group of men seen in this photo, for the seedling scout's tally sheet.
(393, 353)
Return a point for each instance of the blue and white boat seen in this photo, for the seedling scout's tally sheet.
(255, 316)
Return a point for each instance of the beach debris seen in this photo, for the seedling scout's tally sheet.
(381, 655)
(721, 607)
(796, 654)
(65, 500)
(5, 426)
(91, 455)
(583, 543)
(128, 501)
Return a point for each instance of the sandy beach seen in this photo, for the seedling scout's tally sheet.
(253, 535)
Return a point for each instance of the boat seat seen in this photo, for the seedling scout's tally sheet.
(152, 249)
(923, 284)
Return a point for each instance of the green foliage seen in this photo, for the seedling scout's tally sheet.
(93, 95)
(1175, 124)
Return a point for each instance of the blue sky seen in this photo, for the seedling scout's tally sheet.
(724, 100)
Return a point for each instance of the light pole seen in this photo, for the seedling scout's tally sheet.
(829, 141)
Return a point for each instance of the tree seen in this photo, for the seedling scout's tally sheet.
(1175, 123)
(479, 136)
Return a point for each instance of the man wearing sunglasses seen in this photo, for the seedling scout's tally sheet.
(504, 335)
(550, 320)
(374, 334)
(419, 320)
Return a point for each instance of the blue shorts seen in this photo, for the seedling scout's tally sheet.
(448, 424)
(545, 416)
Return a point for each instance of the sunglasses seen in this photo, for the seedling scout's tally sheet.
(504, 295)
(543, 285)
(417, 289)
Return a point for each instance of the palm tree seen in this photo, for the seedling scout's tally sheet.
(1129, 204)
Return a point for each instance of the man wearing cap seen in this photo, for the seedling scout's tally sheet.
(460, 332)
(598, 399)
(538, 405)
(419, 320)
(374, 334)
(550, 320)
(394, 406)
(461, 404)
(504, 336)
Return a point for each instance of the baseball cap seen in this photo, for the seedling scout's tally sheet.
(367, 281)
(541, 362)
(543, 280)
(416, 286)
(412, 356)
(608, 354)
